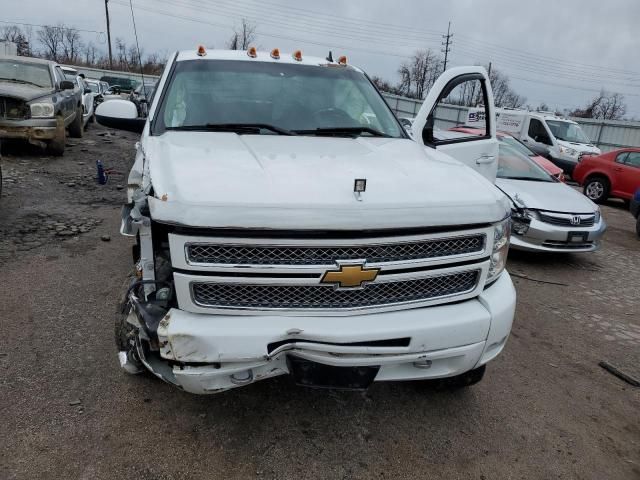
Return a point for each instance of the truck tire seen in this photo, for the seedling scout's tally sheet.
(75, 129)
(56, 146)
(597, 189)
(638, 226)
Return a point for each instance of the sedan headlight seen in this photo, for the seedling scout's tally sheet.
(521, 219)
(501, 234)
(596, 219)
(41, 110)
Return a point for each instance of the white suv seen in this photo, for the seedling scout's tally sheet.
(286, 223)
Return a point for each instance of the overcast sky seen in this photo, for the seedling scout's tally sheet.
(559, 52)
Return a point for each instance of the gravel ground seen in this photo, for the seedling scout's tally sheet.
(544, 410)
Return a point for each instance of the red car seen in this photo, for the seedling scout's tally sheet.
(614, 174)
(546, 164)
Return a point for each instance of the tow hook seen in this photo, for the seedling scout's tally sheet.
(242, 378)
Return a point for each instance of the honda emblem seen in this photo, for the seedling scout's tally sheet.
(575, 220)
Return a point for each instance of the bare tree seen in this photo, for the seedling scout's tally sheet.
(71, 44)
(13, 33)
(90, 54)
(605, 106)
(50, 38)
(243, 36)
(419, 73)
(503, 94)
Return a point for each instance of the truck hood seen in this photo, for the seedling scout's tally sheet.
(549, 196)
(580, 147)
(22, 91)
(225, 180)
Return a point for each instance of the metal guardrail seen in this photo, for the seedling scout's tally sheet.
(606, 134)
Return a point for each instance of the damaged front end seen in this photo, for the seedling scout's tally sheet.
(149, 294)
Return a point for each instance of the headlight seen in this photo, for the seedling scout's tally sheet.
(521, 219)
(569, 151)
(41, 110)
(501, 234)
(597, 217)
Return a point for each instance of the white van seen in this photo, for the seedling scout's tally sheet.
(559, 139)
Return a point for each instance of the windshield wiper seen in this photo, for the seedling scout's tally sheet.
(240, 128)
(338, 131)
(531, 179)
(18, 80)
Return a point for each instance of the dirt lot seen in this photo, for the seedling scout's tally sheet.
(544, 410)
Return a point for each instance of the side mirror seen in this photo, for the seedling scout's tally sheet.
(66, 85)
(87, 90)
(120, 114)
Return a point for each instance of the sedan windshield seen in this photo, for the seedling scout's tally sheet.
(35, 74)
(515, 166)
(567, 131)
(273, 98)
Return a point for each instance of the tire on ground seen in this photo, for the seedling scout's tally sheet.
(56, 146)
(597, 184)
(76, 127)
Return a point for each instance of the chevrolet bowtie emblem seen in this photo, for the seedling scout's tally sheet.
(350, 276)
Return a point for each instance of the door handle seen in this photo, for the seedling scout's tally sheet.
(484, 159)
(525, 140)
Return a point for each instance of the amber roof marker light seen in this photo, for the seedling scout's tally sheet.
(201, 51)
(275, 54)
(297, 55)
(342, 60)
(252, 52)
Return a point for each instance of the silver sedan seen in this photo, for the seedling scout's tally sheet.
(547, 215)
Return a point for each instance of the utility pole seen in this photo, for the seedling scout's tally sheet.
(489, 72)
(106, 9)
(447, 45)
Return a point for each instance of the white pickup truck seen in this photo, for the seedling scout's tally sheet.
(286, 223)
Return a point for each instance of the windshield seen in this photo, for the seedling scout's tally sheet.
(516, 145)
(567, 131)
(94, 87)
(512, 164)
(295, 98)
(22, 72)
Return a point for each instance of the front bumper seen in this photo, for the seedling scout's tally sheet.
(544, 237)
(567, 164)
(33, 129)
(204, 354)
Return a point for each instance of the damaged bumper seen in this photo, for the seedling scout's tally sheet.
(205, 354)
(30, 129)
(544, 237)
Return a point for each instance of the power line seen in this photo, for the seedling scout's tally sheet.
(50, 26)
(266, 34)
(328, 44)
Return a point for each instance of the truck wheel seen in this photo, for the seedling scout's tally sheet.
(75, 129)
(56, 146)
(596, 189)
(638, 226)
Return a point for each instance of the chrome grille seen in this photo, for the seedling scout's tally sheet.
(225, 295)
(209, 253)
(565, 220)
(13, 109)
